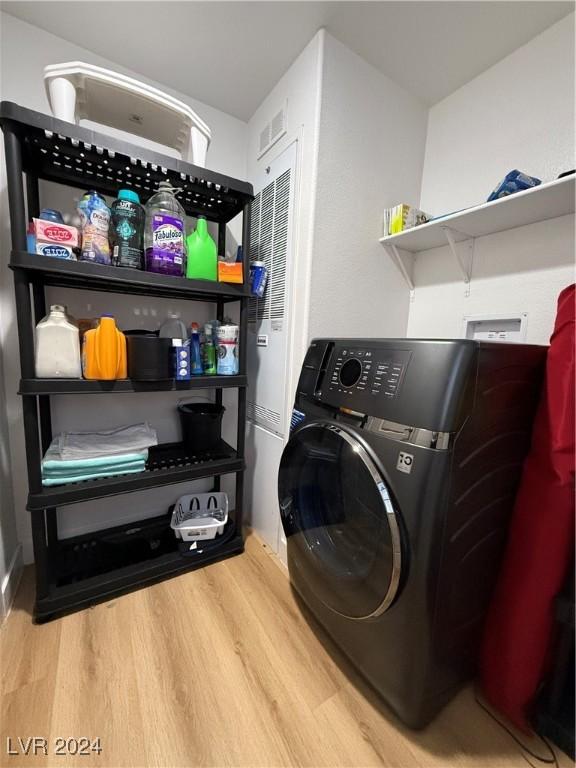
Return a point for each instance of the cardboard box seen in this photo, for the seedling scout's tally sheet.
(181, 358)
(230, 273)
(59, 234)
(55, 251)
(402, 217)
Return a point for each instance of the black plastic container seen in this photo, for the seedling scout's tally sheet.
(201, 424)
(149, 356)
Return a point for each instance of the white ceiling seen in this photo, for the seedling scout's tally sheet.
(230, 54)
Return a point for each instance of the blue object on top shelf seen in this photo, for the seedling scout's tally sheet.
(515, 181)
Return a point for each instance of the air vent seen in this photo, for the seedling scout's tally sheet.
(265, 138)
(265, 417)
(272, 132)
(269, 243)
(278, 126)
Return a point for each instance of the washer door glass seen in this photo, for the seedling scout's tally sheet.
(336, 509)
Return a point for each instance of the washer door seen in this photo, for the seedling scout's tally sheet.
(342, 525)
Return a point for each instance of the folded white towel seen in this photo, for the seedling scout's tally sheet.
(85, 445)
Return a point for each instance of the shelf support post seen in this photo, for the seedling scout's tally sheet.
(406, 270)
(14, 182)
(463, 259)
(243, 359)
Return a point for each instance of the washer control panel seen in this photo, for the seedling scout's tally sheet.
(369, 372)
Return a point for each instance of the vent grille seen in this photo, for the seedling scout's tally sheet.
(269, 243)
(265, 138)
(272, 132)
(277, 126)
(264, 417)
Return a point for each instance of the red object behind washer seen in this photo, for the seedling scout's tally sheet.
(541, 539)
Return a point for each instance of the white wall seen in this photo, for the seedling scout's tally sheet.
(371, 151)
(25, 50)
(518, 114)
(9, 545)
(10, 548)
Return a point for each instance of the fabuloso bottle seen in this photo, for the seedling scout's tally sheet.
(164, 232)
(202, 253)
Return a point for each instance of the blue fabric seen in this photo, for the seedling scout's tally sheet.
(67, 472)
(51, 462)
(57, 478)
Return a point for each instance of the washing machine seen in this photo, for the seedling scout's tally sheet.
(395, 490)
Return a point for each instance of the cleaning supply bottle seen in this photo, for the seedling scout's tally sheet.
(202, 253)
(95, 217)
(104, 352)
(228, 362)
(164, 232)
(127, 230)
(57, 347)
(195, 353)
(173, 327)
(208, 351)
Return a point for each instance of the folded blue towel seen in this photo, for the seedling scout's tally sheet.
(76, 456)
(52, 460)
(62, 479)
(53, 471)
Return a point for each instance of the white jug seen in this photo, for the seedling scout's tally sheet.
(57, 353)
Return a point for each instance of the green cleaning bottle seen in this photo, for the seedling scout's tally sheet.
(208, 351)
(202, 253)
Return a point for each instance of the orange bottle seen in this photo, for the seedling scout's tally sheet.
(104, 352)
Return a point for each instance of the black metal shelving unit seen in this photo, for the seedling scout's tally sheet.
(76, 572)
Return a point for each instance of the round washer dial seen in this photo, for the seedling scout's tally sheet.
(350, 372)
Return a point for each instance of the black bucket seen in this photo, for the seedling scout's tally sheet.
(149, 356)
(201, 425)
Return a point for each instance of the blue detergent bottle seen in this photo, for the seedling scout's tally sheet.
(196, 368)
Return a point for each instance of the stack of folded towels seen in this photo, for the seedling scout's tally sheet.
(76, 456)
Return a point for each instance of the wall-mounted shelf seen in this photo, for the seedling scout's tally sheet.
(459, 230)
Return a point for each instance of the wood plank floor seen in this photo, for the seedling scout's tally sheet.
(215, 668)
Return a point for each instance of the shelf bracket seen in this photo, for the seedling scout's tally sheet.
(406, 268)
(463, 256)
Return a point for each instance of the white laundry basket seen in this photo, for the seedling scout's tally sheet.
(200, 516)
(78, 91)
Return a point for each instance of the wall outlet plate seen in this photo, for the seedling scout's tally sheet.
(511, 328)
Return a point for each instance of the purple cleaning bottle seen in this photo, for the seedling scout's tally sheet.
(164, 232)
